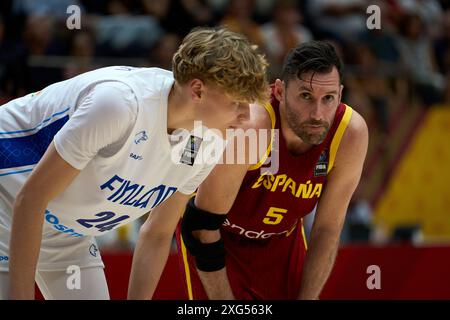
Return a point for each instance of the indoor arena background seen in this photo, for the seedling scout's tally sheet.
(396, 75)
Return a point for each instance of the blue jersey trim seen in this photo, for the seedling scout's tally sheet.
(15, 172)
(28, 150)
(39, 125)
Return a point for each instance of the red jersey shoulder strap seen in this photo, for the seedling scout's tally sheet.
(273, 117)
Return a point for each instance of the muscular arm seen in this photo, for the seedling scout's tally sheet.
(153, 246)
(330, 215)
(217, 194)
(49, 178)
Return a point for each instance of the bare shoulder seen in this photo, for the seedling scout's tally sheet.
(357, 124)
(357, 131)
(353, 147)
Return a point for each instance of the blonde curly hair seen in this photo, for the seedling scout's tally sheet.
(225, 59)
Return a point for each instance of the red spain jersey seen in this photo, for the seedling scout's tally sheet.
(263, 235)
(272, 204)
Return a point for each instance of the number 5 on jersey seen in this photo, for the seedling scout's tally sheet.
(274, 215)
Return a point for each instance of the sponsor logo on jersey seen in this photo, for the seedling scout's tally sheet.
(262, 234)
(140, 137)
(136, 156)
(52, 219)
(128, 193)
(93, 250)
(4, 258)
(321, 168)
(191, 150)
(283, 183)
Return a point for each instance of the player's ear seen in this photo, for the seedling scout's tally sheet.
(340, 92)
(279, 89)
(196, 89)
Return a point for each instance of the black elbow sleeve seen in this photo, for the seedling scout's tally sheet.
(209, 257)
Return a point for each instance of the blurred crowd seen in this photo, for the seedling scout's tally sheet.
(406, 61)
(413, 41)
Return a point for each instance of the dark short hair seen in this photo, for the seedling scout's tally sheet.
(315, 56)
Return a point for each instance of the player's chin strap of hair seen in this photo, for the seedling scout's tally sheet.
(209, 257)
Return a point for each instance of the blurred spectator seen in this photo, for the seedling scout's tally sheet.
(239, 18)
(82, 53)
(157, 9)
(38, 33)
(180, 16)
(447, 91)
(368, 89)
(12, 64)
(218, 5)
(54, 8)
(382, 44)
(445, 4)
(442, 46)
(97, 7)
(407, 234)
(342, 20)
(165, 48)
(39, 40)
(263, 10)
(122, 34)
(283, 33)
(358, 222)
(429, 11)
(417, 57)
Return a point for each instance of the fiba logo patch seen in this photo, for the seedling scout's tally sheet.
(93, 250)
(321, 165)
(191, 150)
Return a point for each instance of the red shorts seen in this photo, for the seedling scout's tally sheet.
(257, 269)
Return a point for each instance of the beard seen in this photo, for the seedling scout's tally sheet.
(301, 128)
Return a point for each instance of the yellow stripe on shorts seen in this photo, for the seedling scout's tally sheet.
(186, 269)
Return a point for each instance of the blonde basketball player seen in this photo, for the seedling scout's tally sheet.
(92, 153)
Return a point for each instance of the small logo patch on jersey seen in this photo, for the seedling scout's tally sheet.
(140, 136)
(93, 250)
(191, 150)
(321, 168)
(136, 156)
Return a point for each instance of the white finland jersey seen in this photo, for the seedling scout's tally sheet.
(146, 166)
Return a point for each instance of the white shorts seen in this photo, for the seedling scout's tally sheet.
(58, 250)
(54, 285)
